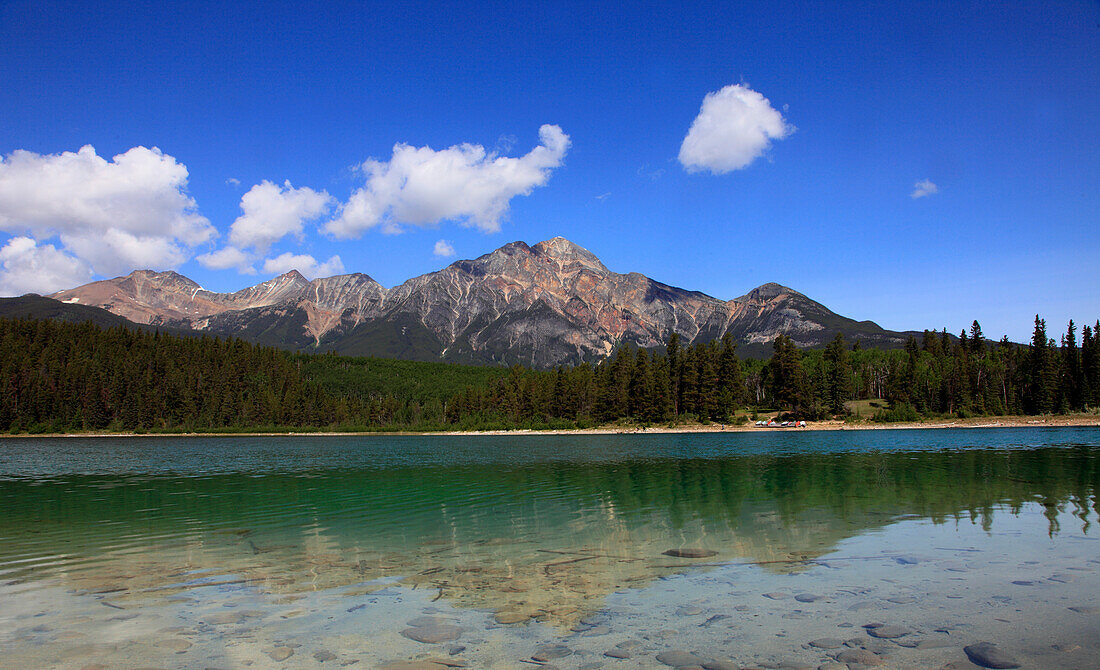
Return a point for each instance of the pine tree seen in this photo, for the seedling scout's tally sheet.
(838, 386)
(731, 383)
(1090, 368)
(1040, 372)
(673, 354)
(642, 405)
(708, 382)
(1072, 376)
(689, 382)
(977, 340)
(789, 386)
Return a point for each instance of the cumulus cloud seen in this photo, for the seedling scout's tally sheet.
(228, 257)
(465, 183)
(131, 211)
(271, 212)
(304, 263)
(735, 126)
(27, 267)
(443, 249)
(923, 188)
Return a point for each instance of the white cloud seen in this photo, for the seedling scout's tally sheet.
(304, 263)
(233, 181)
(271, 212)
(26, 267)
(443, 249)
(228, 257)
(131, 211)
(465, 183)
(735, 126)
(923, 188)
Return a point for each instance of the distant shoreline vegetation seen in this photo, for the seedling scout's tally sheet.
(58, 377)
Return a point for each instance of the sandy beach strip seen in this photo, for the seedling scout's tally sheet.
(1045, 421)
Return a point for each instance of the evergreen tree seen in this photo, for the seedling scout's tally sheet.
(1040, 372)
(672, 351)
(788, 381)
(1072, 374)
(1090, 367)
(731, 383)
(838, 372)
(977, 340)
(642, 401)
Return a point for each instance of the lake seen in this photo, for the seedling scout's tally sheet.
(770, 549)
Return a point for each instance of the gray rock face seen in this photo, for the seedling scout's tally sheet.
(543, 305)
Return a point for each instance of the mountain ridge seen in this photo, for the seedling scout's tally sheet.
(542, 305)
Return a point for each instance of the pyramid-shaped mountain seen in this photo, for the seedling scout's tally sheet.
(548, 304)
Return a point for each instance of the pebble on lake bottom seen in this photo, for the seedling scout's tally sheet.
(678, 659)
(988, 655)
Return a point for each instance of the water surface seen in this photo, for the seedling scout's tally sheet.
(227, 552)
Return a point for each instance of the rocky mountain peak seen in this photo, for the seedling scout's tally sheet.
(166, 279)
(766, 292)
(548, 304)
(568, 253)
(291, 276)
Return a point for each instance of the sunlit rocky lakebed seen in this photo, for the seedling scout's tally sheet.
(916, 548)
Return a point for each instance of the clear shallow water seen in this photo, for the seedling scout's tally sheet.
(231, 552)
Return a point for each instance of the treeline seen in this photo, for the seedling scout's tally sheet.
(939, 375)
(57, 377)
(970, 375)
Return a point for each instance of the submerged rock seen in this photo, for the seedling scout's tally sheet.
(175, 644)
(433, 634)
(690, 553)
(861, 656)
(988, 655)
(549, 652)
(888, 632)
(678, 659)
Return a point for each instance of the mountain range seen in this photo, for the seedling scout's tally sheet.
(543, 305)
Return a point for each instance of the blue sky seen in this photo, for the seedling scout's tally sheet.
(995, 104)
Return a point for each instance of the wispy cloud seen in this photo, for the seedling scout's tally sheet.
(443, 249)
(228, 257)
(603, 196)
(304, 263)
(924, 188)
(652, 175)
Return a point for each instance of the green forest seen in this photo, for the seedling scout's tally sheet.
(72, 377)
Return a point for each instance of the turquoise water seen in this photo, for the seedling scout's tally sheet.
(179, 552)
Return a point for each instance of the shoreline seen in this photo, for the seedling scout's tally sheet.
(1046, 421)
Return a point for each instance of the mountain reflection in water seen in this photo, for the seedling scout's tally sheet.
(543, 538)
